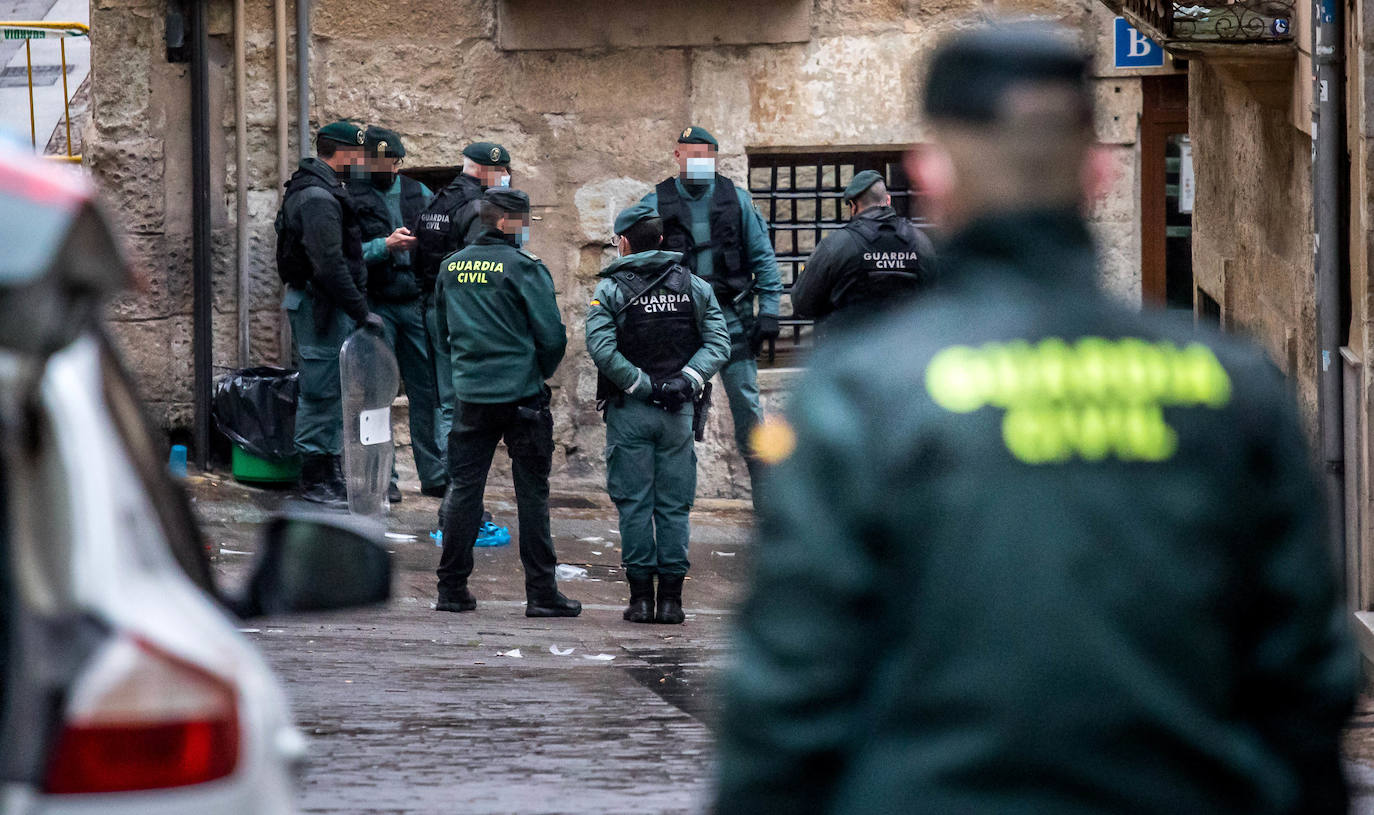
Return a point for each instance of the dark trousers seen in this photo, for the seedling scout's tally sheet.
(527, 428)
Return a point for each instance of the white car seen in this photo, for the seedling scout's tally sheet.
(125, 685)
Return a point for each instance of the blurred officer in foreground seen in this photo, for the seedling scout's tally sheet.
(725, 241)
(657, 336)
(320, 259)
(1025, 549)
(448, 224)
(874, 263)
(389, 206)
(505, 337)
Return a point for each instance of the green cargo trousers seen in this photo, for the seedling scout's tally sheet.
(443, 374)
(404, 327)
(319, 404)
(651, 475)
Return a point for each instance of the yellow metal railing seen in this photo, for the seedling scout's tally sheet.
(28, 32)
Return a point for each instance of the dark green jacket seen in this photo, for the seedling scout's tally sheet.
(500, 317)
(1037, 552)
(601, 325)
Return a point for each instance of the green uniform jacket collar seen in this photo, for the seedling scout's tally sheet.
(653, 259)
(492, 236)
(1054, 246)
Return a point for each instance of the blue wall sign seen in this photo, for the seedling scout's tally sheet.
(1135, 50)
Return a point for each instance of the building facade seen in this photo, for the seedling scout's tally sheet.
(588, 97)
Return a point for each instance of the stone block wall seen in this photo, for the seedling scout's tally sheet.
(589, 130)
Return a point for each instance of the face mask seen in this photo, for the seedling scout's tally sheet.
(503, 181)
(357, 172)
(524, 236)
(383, 181)
(701, 169)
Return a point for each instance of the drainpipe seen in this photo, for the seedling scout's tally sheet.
(283, 160)
(303, 74)
(241, 173)
(1328, 153)
(201, 308)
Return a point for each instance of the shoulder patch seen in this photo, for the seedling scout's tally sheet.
(527, 253)
(595, 303)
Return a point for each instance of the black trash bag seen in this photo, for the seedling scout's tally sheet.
(256, 409)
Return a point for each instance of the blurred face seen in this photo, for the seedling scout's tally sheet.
(516, 224)
(695, 162)
(493, 176)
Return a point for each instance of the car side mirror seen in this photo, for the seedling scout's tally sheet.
(315, 561)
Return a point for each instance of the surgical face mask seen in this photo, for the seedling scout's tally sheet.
(357, 172)
(383, 181)
(701, 169)
(503, 181)
(524, 235)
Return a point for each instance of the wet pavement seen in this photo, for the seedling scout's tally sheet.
(410, 710)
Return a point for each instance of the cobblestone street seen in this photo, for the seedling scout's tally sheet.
(411, 710)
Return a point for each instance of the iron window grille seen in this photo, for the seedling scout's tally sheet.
(801, 196)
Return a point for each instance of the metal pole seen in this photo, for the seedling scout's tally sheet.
(241, 199)
(66, 98)
(33, 128)
(303, 75)
(202, 294)
(1328, 152)
(283, 161)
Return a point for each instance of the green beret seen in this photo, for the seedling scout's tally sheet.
(383, 143)
(343, 132)
(632, 215)
(698, 135)
(488, 154)
(862, 181)
(971, 72)
(507, 200)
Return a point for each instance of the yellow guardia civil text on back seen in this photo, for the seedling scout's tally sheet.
(1090, 399)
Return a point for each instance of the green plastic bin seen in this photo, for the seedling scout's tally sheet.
(249, 468)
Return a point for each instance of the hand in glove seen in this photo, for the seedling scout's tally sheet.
(765, 329)
(673, 392)
(374, 323)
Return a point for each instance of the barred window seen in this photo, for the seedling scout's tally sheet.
(801, 195)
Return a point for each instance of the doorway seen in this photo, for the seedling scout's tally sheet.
(1166, 206)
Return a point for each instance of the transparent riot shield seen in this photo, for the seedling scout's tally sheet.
(368, 379)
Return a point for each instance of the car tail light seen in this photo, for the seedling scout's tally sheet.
(141, 719)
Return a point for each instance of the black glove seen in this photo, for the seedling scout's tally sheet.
(765, 328)
(672, 392)
(374, 323)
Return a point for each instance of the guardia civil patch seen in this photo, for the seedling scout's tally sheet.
(1092, 399)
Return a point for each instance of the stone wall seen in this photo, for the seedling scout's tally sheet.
(589, 130)
(1252, 254)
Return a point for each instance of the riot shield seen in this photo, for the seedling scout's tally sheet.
(368, 379)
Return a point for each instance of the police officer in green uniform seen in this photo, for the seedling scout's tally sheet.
(1027, 549)
(875, 262)
(725, 241)
(657, 335)
(389, 206)
(320, 259)
(505, 336)
(448, 224)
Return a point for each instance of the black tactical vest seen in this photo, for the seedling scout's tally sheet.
(657, 331)
(728, 276)
(439, 227)
(293, 265)
(885, 266)
(386, 281)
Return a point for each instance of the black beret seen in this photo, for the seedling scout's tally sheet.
(383, 142)
(971, 72)
(507, 200)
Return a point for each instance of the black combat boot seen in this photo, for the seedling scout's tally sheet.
(318, 485)
(641, 608)
(552, 605)
(393, 493)
(669, 609)
(459, 599)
